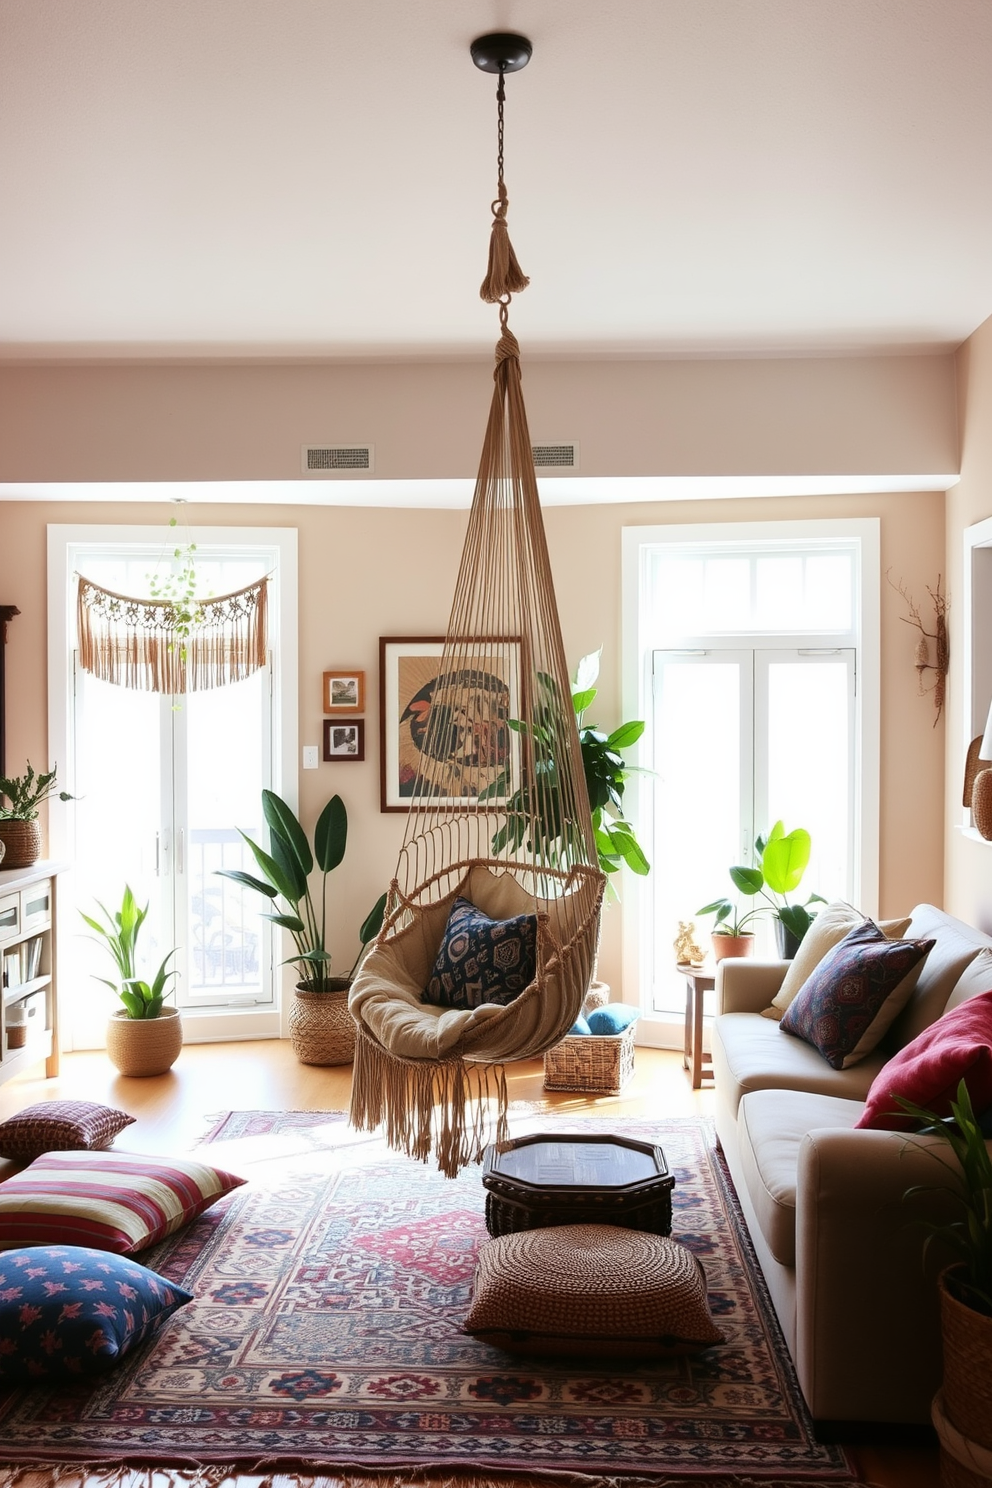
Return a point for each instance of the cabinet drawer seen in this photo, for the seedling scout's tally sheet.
(36, 906)
(10, 916)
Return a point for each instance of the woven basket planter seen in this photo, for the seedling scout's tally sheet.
(321, 1027)
(145, 1046)
(966, 1399)
(599, 1063)
(981, 803)
(22, 842)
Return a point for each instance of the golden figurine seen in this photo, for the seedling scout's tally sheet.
(687, 952)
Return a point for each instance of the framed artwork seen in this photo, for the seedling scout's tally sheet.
(456, 763)
(344, 741)
(344, 692)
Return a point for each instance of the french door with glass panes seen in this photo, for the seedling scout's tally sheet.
(743, 738)
(162, 787)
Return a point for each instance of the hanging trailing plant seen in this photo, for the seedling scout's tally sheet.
(178, 590)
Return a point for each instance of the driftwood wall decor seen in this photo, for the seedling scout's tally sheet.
(935, 657)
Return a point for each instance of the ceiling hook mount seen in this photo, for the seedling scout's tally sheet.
(501, 51)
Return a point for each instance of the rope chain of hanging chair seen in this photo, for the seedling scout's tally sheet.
(499, 812)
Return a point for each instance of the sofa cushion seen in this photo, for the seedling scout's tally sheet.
(976, 978)
(750, 1053)
(770, 1126)
(957, 946)
(850, 1000)
(927, 1071)
(827, 930)
(482, 959)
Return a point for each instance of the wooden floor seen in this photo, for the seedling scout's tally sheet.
(172, 1112)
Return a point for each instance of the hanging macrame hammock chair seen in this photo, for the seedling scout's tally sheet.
(499, 812)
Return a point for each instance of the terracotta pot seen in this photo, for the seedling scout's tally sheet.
(731, 945)
(320, 1025)
(145, 1046)
(22, 841)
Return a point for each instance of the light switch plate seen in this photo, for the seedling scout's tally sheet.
(309, 756)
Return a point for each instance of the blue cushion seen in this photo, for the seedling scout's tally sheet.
(580, 1027)
(67, 1311)
(613, 1018)
(482, 960)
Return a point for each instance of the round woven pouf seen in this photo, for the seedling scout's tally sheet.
(145, 1046)
(593, 1289)
(321, 1027)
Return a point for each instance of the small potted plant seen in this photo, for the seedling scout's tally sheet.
(966, 1285)
(321, 1026)
(20, 798)
(144, 1036)
(730, 935)
(783, 858)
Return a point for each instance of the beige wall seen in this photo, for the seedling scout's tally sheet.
(968, 887)
(858, 416)
(366, 573)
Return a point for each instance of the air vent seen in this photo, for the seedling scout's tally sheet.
(338, 459)
(561, 456)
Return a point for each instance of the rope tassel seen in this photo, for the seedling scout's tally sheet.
(505, 276)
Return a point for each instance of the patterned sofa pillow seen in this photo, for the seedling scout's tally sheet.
(116, 1201)
(60, 1126)
(68, 1311)
(852, 997)
(482, 960)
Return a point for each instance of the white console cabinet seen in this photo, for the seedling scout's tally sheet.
(29, 1016)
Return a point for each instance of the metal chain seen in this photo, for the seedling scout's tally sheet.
(500, 96)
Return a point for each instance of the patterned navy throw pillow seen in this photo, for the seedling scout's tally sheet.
(482, 960)
(67, 1311)
(852, 997)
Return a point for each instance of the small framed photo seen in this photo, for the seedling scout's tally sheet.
(478, 699)
(344, 692)
(344, 741)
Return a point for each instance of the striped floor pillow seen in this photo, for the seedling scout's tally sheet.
(116, 1201)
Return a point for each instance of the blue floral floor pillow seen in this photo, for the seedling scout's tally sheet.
(67, 1311)
(482, 960)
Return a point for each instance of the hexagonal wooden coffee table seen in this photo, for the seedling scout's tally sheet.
(567, 1178)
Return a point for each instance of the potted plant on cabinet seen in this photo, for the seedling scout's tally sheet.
(20, 798)
(321, 1027)
(963, 1409)
(144, 1036)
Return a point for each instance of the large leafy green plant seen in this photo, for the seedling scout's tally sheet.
(25, 793)
(535, 813)
(286, 870)
(119, 936)
(782, 859)
(970, 1175)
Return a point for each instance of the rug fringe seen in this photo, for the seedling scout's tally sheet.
(84, 1475)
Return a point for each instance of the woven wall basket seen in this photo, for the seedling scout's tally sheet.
(321, 1027)
(981, 802)
(145, 1046)
(22, 840)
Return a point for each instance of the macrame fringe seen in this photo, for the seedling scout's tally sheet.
(449, 1108)
(141, 644)
(505, 276)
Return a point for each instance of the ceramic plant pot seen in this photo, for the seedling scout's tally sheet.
(22, 842)
(145, 1046)
(320, 1025)
(731, 945)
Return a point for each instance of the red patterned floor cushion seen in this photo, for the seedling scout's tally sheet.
(116, 1201)
(60, 1126)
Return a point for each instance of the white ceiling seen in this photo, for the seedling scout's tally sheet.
(313, 177)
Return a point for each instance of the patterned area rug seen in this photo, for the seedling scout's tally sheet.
(326, 1338)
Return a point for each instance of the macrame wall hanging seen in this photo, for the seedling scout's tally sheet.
(172, 642)
(499, 808)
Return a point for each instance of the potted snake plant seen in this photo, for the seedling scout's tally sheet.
(145, 1035)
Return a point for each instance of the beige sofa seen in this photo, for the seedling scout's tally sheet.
(824, 1202)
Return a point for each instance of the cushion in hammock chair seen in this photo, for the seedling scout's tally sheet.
(482, 959)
